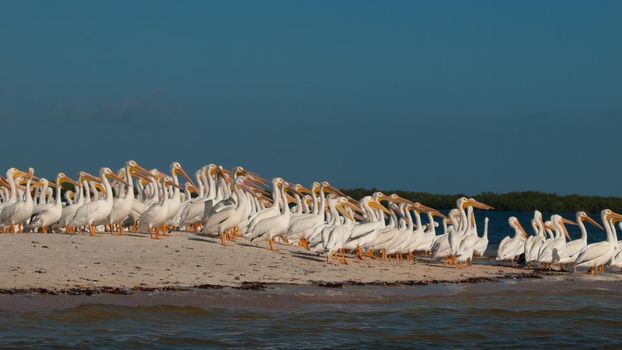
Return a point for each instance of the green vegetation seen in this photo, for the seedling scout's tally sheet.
(513, 201)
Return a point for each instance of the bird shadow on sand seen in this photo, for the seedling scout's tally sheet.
(308, 256)
(249, 245)
(201, 239)
(139, 235)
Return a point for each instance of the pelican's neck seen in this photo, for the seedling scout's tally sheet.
(472, 224)
(284, 203)
(583, 230)
(418, 220)
(540, 224)
(298, 203)
(610, 228)
(211, 187)
(59, 199)
(43, 192)
(199, 178)
(108, 188)
(176, 192)
(558, 229)
(129, 195)
(409, 220)
(321, 208)
(305, 206)
(314, 198)
(463, 219)
(11, 180)
(27, 194)
(432, 223)
(87, 191)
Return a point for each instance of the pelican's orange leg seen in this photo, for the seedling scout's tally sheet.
(343, 257)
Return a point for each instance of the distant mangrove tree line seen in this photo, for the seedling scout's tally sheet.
(512, 201)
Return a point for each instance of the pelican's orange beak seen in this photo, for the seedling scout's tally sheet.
(593, 222)
(521, 229)
(89, 177)
(117, 178)
(343, 212)
(376, 205)
(615, 217)
(439, 214)
(568, 222)
(477, 204)
(65, 178)
(184, 174)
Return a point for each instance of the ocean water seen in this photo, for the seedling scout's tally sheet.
(578, 311)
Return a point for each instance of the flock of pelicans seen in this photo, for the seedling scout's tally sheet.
(321, 219)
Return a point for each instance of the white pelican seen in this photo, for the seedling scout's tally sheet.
(19, 211)
(274, 226)
(50, 213)
(552, 250)
(271, 211)
(440, 246)
(366, 232)
(97, 210)
(174, 202)
(427, 236)
(466, 246)
(340, 232)
(301, 226)
(481, 245)
(11, 174)
(192, 214)
(534, 243)
(41, 201)
(596, 255)
(574, 247)
(122, 206)
(228, 217)
(512, 247)
(156, 216)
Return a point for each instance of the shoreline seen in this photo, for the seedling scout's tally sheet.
(54, 264)
(258, 286)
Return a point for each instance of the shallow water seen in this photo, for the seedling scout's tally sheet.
(573, 310)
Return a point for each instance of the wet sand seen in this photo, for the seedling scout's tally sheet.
(79, 264)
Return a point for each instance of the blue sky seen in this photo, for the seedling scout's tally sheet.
(439, 96)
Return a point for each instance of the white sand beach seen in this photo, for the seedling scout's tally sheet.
(57, 262)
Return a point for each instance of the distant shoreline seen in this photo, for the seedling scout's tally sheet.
(525, 201)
